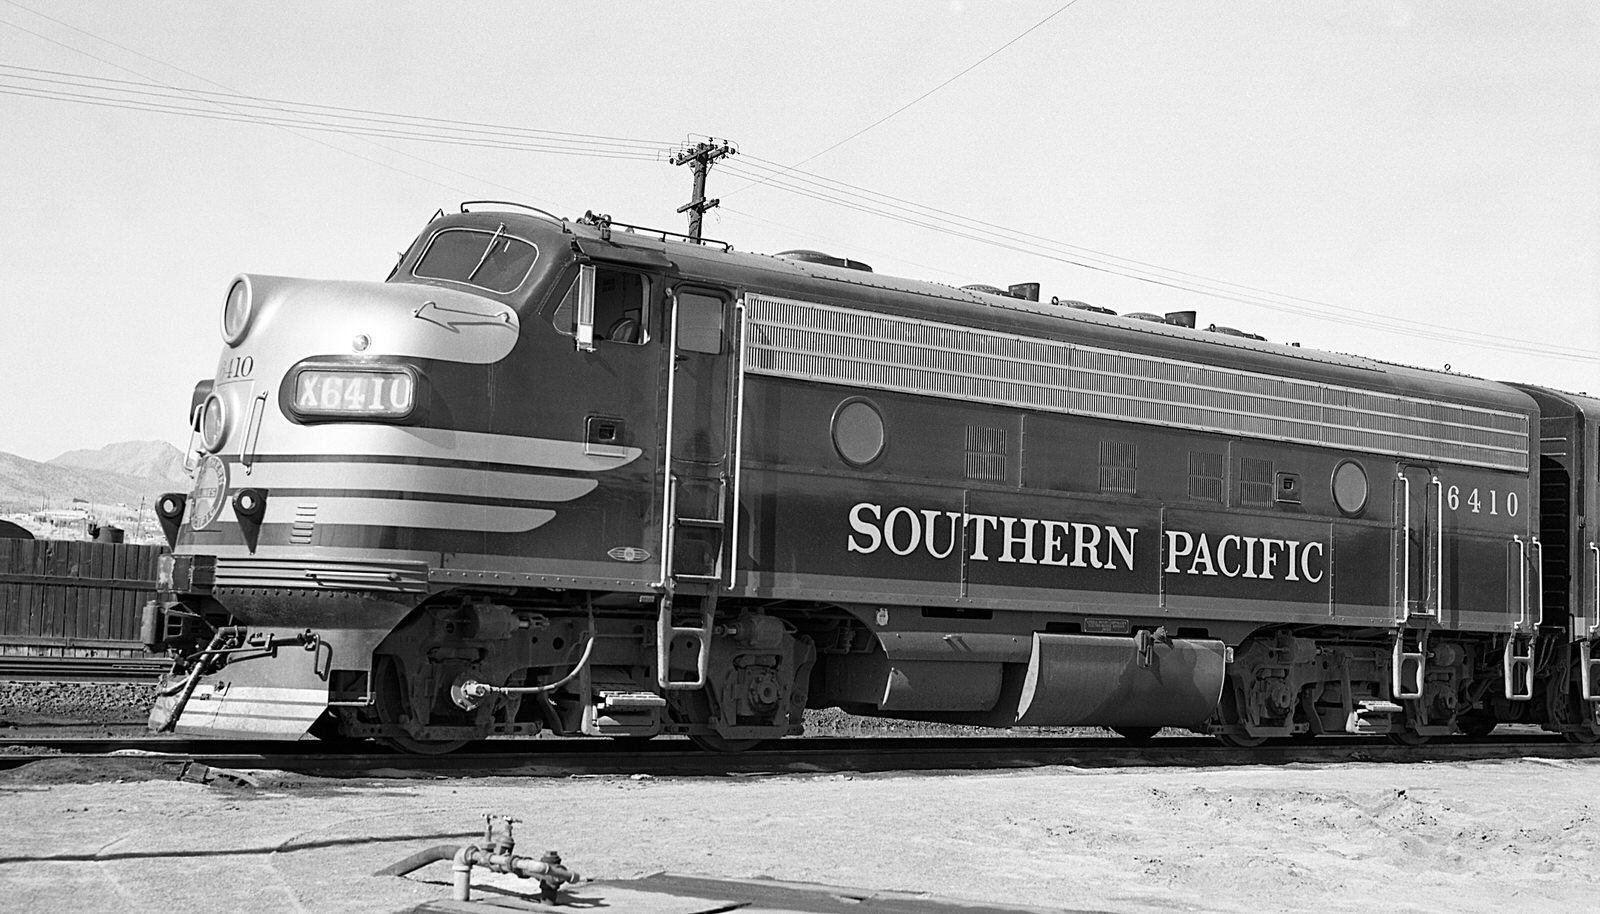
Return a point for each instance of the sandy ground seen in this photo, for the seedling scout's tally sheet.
(1491, 836)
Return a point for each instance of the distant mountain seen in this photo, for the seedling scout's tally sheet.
(144, 459)
(28, 485)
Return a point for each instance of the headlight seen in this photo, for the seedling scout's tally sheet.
(236, 311)
(213, 423)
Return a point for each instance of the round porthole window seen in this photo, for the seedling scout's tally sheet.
(1350, 487)
(858, 432)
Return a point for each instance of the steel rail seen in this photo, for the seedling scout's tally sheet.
(674, 757)
(36, 668)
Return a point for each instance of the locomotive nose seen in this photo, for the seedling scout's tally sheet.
(288, 319)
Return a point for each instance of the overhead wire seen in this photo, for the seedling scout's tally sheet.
(966, 228)
(92, 56)
(968, 69)
(858, 250)
(342, 109)
(155, 97)
(294, 131)
(371, 124)
(943, 221)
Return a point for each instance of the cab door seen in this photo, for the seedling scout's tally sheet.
(700, 458)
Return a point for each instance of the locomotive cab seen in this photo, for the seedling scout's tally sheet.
(471, 495)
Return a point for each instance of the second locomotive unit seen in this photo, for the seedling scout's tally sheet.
(570, 476)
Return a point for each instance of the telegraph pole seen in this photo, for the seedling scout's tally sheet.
(700, 158)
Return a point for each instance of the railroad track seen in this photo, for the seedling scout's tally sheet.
(669, 757)
(25, 668)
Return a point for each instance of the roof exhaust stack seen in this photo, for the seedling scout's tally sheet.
(1027, 291)
(1081, 306)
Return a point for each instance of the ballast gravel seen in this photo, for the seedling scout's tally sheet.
(1445, 837)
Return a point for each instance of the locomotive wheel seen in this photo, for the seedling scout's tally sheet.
(1569, 712)
(1228, 712)
(1136, 734)
(1578, 710)
(1477, 723)
(393, 704)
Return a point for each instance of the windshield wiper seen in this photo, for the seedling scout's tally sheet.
(487, 251)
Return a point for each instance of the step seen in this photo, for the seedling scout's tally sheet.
(630, 701)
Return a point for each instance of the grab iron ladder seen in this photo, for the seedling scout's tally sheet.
(714, 494)
(1588, 663)
(1409, 666)
(1518, 661)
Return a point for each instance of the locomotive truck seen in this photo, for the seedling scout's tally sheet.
(577, 476)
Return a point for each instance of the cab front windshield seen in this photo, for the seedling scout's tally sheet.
(489, 260)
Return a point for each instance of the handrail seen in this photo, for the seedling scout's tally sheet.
(1594, 627)
(1522, 582)
(727, 246)
(1433, 601)
(252, 432)
(1402, 604)
(669, 489)
(1538, 579)
(738, 442)
(548, 215)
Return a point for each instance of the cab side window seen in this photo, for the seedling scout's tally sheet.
(621, 307)
(620, 302)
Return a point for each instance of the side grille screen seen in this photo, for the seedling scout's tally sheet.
(835, 345)
(1119, 467)
(986, 454)
(1205, 476)
(1255, 482)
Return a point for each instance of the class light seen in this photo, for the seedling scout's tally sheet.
(250, 504)
(169, 510)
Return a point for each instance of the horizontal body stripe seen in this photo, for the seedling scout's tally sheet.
(453, 484)
(829, 344)
(353, 440)
(394, 512)
(310, 496)
(366, 460)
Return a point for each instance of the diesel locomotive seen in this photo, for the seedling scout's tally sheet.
(576, 476)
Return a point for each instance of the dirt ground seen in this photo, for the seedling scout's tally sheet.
(1487, 836)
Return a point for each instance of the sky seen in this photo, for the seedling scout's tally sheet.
(1417, 182)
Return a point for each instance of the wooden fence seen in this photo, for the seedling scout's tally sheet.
(74, 599)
